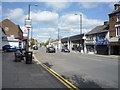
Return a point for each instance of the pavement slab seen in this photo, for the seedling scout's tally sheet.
(21, 75)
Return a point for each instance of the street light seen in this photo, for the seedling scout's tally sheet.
(80, 24)
(58, 45)
(31, 32)
(27, 47)
(58, 38)
(29, 9)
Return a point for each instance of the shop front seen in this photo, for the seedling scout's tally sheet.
(114, 48)
(102, 47)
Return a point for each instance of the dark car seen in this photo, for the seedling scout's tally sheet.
(6, 48)
(50, 50)
(65, 50)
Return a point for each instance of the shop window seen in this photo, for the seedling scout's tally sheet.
(90, 48)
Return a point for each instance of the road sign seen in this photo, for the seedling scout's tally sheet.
(28, 23)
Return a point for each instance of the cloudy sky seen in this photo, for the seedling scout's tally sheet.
(47, 17)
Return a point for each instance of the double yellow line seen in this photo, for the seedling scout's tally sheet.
(59, 77)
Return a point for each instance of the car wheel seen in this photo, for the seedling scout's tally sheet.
(6, 50)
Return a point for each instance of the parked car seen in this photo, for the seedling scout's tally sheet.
(65, 50)
(5, 48)
(8, 48)
(13, 49)
(50, 50)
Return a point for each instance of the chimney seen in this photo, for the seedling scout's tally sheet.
(106, 23)
(117, 6)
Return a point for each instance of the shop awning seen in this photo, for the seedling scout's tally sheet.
(21, 38)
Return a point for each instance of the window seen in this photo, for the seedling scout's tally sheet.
(118, 17)
(90, 48)
(6, 29)
(90, 37)
(101, 37)
(118, 31)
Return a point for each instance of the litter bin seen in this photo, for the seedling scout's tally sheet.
(28, 57)
(18, 56)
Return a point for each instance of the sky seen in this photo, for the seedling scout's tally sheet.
(47, 17)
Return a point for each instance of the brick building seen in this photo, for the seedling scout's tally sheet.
(12, 31)
(114, 30)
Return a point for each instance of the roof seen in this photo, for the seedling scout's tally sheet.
(5, 20)
(64, 39)
(115, 12)
(19, 28)
(99, 29)
(76, 37)
(2, 30)
(72, 38)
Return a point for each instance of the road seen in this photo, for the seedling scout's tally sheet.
(84, 71)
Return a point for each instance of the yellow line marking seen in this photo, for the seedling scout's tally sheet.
(60, 78)
(63, 78)
(50, 72)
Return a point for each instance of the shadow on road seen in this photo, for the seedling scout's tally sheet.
(80, 82)
(47, 64)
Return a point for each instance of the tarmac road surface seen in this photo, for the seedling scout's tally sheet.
(84, 71)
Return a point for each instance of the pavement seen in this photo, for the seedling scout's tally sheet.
(0, 69)
(21, 75)
(98, 55)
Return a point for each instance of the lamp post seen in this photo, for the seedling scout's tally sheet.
(29, 9)
(27, 46)
(58, 45)
(58, 38)
(80, 22)
(80, 19)
(31, 32)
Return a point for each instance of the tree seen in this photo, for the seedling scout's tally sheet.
(32, 42)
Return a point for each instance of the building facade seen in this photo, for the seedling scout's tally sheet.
(74, 43)
(90, 43)
(114, 30)
(97, 39)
